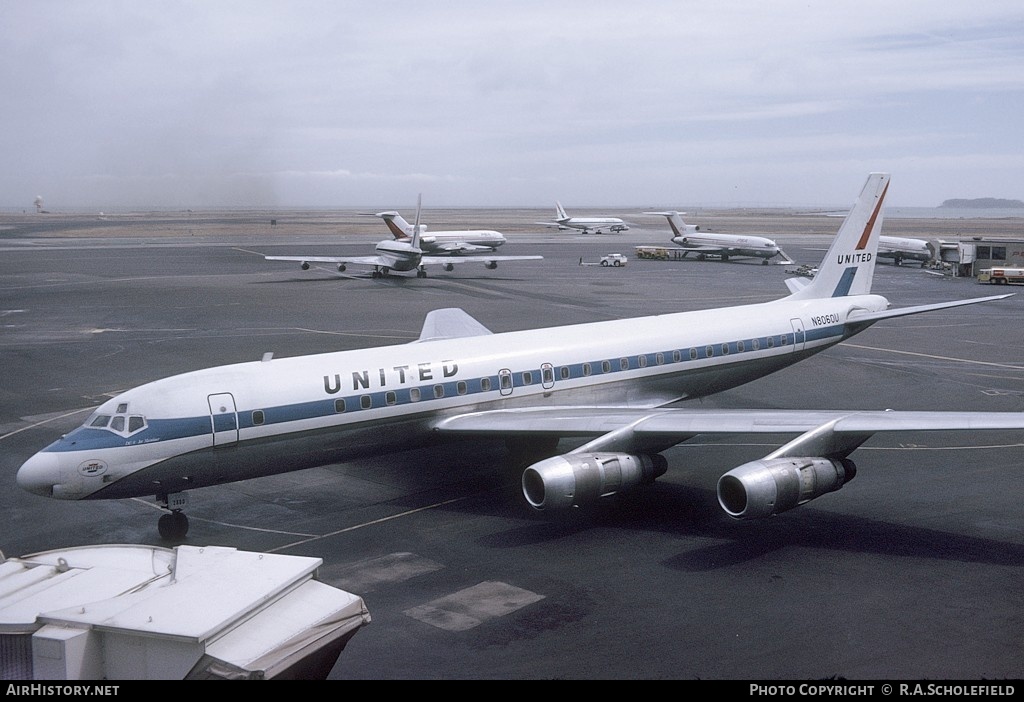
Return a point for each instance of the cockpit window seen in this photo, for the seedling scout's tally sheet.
(121, 422)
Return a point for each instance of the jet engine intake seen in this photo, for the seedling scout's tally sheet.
(576, 479)
(770, 486)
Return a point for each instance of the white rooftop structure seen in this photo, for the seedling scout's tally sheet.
(124, 612)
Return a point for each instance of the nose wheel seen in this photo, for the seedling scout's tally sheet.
(173, 526)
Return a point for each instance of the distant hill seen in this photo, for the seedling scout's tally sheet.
(983, 203)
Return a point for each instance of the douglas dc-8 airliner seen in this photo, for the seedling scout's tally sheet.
(585, 224)
(607, 383)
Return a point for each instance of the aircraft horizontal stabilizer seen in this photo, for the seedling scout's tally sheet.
(859, 318)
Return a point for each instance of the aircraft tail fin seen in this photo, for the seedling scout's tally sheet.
(416, 227)
(676, 223)
(400, 229)
(849, 263)
(560, 214)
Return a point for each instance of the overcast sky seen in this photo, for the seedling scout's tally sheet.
(192, 104)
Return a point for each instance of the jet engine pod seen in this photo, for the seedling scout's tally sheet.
(579, 478)
(769, 486)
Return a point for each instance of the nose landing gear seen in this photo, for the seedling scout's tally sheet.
(173, 526)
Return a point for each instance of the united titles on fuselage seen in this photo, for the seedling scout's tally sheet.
(397, 375)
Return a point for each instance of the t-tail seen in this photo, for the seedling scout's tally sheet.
(849, 264)
(676, 224)
(400, 229)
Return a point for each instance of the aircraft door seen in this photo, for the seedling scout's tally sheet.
(505, 381)
(798, 334)
(223, 419)
(547, 376)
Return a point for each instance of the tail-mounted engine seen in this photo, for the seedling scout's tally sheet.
(579, 478)
(772, 485)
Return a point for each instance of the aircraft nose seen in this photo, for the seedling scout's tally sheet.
(39, 474)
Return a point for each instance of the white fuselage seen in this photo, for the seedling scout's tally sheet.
(904, 249)
(728, 245)
(251, 419)
(441, 242)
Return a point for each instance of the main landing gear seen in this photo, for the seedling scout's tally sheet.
(173, 526)
(381, 272)
(421, 272)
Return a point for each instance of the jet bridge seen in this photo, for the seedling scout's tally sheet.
(127, 612)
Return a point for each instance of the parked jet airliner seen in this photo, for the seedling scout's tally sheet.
(723, 246)
(901, 249)
(585, 224)
(443, 242)
(405, 254)
(607, 381)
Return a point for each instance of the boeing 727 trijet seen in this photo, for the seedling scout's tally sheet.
(722, 246)
(607, 383)
(443, 242)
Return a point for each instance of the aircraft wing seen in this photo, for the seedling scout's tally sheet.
(354, 260)
(620, 428)
(448, 260)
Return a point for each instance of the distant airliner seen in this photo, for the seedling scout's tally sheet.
(607, 382)
(585, 224)
(722, 246)
(401, 254)
(901, 249)
(444, 242)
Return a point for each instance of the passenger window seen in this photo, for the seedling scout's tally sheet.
(564, 372)
(439, 391)
(485, 384)
(659, 359)
(258, 417)
(725, 349)
(547, 375)
(709, 352)
(365, 401)
(461, 387)
(740, 346)
(693, 354)
(506, 381)
(414, 394)
(390, 397)
(623, 364)
(339, 406)
(606, 366)
(677, 355)
(586, 369)
(528, 378)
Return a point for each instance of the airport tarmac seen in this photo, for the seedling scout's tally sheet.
(910, 572)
